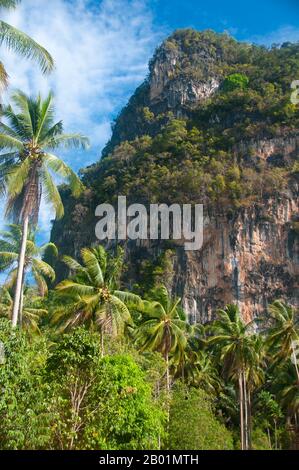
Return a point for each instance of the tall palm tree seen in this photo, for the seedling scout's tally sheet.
(91, 295)
(286, 388)
(235, 346)
(163, 329)
(27, 166)
(33, 308)
(19, 42)
(34, 266)
(284, 333)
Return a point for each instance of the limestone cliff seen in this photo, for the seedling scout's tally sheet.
(250, 254)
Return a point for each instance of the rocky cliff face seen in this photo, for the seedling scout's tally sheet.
(250, 255)
(182, 74)
(249, 260)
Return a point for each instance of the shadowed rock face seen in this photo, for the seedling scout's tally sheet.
(250, 257)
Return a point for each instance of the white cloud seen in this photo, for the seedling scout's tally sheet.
(101, 50)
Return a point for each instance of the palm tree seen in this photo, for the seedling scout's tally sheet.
(237, 351)
(33, 308)
(284, 333)
(10, 241)
(19, 42)
(162, 329)
(34, 266)
(286, 387)
(26, 169)
(91, 295)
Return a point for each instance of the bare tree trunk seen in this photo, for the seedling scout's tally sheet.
(22, 300)
(241, 399)
(245, 411)
(21, 263)
(249, 420)
(21, 304)
(269, 438)
(102, 343)
(167, 373)
(275, 434)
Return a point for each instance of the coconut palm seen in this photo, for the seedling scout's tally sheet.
(284, 333)
(27, 166)
(162, 330)
(34, 266)
(286, 387)
(236, 349)
(91, 295)
(32, 311)
(17, 41)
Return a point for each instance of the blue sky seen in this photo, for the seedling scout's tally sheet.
(102, 48)
(256, 19)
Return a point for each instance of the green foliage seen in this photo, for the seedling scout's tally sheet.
(65, 396)
(91, 295)
(202, 157)
(235, 81)
(103, 403)
(27, 167)
(132, 420)
(192, 422)
(39, 270)
(24, 413)
(33, 307)
(162, 380)
(22, 44)
(260, 440)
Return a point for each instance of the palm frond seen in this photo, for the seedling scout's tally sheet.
(72, 287)
(18, 178)
(72, 264)
(9, 3)
(51, 193)
(68, 141)
(45, 116)
(93, 267)
(40, 281)
(10, 143)
(22, 44)
(3, 77)
(63, 170)
(44, 269)
(129, 297)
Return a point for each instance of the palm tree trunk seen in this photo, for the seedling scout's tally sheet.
(167, 373)
(21, 263)
(21, 304)
(241, 399)
(102, 343)
(249, 421)
(269, 438)
(245, 411)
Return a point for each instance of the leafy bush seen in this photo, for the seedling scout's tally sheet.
(235, 81)
(192, 423)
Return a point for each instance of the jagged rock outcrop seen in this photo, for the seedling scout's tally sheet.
(250, 254)
(182, 74)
